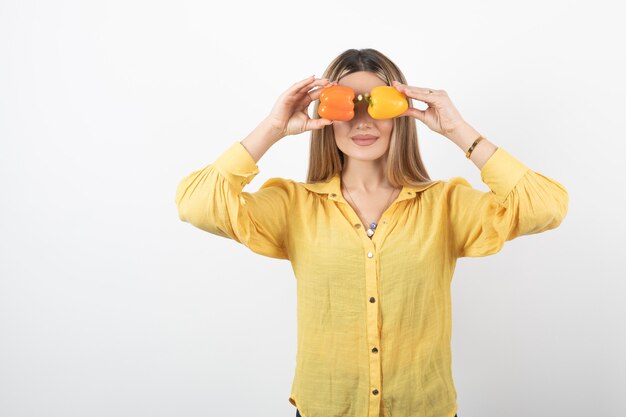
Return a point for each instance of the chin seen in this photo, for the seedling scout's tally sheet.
(366, 154)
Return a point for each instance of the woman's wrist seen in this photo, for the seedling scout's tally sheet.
(273, 132)
(465, 136)
(261, 139)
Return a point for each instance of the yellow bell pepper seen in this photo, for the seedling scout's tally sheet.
(386, 102)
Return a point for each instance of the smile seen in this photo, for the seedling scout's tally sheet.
(364, 140)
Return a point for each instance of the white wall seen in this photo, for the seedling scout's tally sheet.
(111, 306)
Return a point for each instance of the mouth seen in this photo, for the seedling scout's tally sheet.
(364, 140)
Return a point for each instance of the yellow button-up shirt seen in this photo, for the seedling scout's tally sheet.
(374, 314)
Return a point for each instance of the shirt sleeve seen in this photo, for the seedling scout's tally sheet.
(212, 199)
(521, 202)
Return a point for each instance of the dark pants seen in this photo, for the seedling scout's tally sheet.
(298, 413)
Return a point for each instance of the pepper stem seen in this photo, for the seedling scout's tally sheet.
(362, 97)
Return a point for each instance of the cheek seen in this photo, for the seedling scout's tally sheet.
(385, 128)
(341, 129)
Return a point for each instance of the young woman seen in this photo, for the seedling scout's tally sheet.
(372, 240)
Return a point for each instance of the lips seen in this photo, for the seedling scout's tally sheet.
(364, 140)
(364, 137)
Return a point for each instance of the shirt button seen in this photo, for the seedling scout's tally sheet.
(375, 392)
(372, 300)
(370, 254)
(334, 195)
(374, 350)
(357, 225)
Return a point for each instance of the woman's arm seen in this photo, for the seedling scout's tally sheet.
(521, 202)
(212, 198)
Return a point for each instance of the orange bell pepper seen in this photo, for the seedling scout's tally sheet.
(336, 103)
(384, 102)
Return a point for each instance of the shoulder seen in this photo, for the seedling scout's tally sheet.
(437, 188)
(279, 184)
(447, 188)
(456, 182)
(458, 190)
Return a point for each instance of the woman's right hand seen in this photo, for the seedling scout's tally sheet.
(290, 116)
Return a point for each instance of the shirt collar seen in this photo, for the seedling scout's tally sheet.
(332, 188)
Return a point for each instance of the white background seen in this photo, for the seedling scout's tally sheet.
(111, 306)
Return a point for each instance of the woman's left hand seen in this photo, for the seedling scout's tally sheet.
(441, 116)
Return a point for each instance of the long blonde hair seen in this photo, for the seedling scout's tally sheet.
(404, 162)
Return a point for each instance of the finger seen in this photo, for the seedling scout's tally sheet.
(421, 96)
(313, 124)
(302, 83)
(309, 98)
(401, 86)
(426, 95)
(317, 82)
(413, 112)
(296, 87)
(315, 93)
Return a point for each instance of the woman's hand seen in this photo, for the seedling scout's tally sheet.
(289, 116)
(441, 116)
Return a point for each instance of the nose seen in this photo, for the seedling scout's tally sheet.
(360, 112)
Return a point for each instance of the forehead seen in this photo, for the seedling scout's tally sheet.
(361, 81)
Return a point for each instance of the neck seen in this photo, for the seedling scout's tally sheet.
(364, 177)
